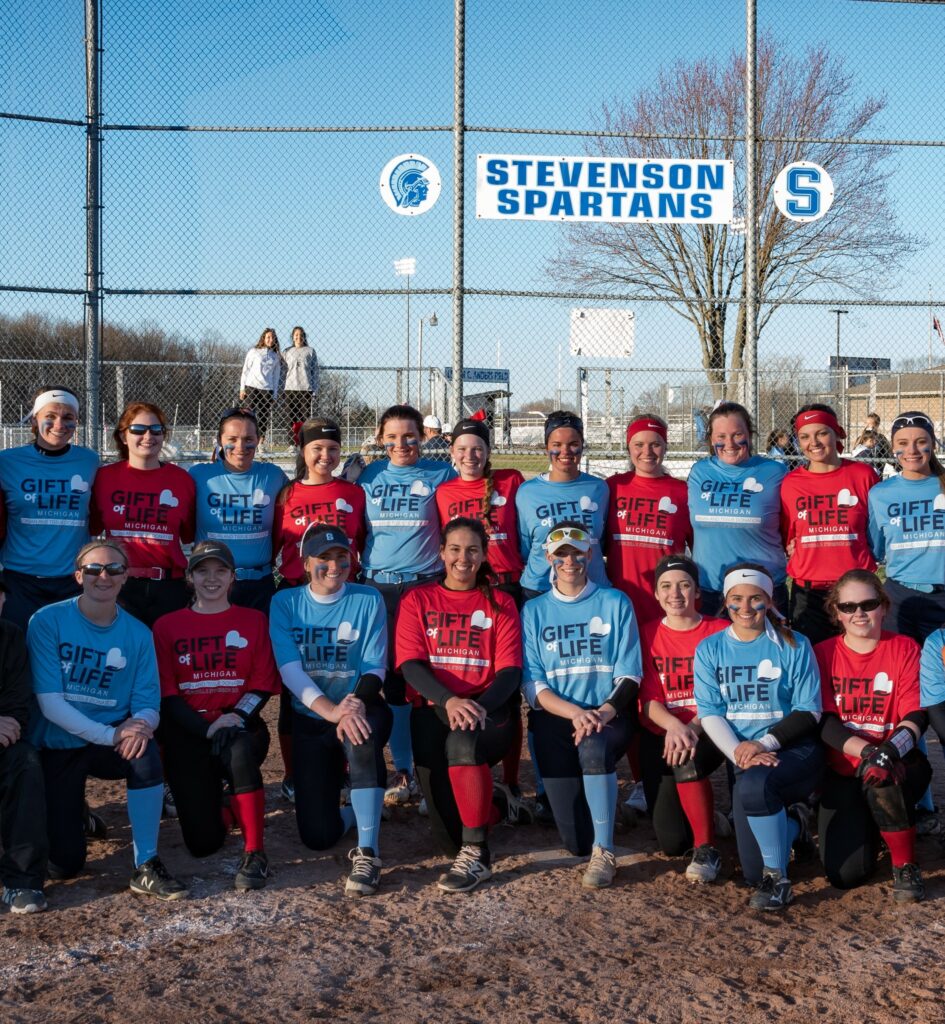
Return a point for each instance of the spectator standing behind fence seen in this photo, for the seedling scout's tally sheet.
(882, 449)
(777, 445)
(301, 376)
(435, 445)
(46, 486)
(259, 381)
(148, 506)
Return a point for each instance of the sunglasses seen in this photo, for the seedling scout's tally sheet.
(849, 607)
(567, 533)
(139, 429)
(97, 568)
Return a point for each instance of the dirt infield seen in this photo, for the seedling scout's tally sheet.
(530, 946)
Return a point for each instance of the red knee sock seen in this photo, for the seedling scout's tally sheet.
(250, 809)
(472, 788)
(285, 746)
(633, 756)
(901, 846)
(699, 807)
(513, 758)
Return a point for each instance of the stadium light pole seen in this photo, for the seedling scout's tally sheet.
(432, 321)
(406, 268)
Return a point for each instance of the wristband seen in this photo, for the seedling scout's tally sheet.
(247, 705)
(899, 743)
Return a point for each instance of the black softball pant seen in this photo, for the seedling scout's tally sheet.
(26, 594)
(196, 775)
(670, 823)
(64, 774)
(147, 600)
(851, 817)
(563, 765)
(319, 759)
(437, 748)
(22, 818)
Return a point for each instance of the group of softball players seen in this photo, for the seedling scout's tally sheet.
(412, 603)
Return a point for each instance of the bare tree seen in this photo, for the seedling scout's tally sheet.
(696, 269)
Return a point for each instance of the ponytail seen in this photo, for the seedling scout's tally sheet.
(485, 581)
(937, 470)
(781, 627)
(488, 491)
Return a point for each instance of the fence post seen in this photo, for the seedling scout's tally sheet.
(751, 216)
(459, 170)
(93, 220)
(608, 409)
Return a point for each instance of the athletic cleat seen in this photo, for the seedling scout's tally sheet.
(153, 879)
(253, 871)
(543, 812)
(908, 886)
(365, 874)
(287, 789)
(637, 798)
(804, 849)
(422, 808)
(470, 867)
(774, 892)
(705, 864)
(723, 825)
(170, 807)
(601, 869)
(93, 824)
(513, 807)
(24, 901)
(927, 823)
(402, 787)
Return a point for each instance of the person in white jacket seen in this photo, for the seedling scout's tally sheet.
(301, 377)
(259, 381)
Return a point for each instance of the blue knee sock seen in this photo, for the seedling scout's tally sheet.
(773, 833)
(401, 749)
(367, 804)
(601, 794)
(144, 813)
(539, 782)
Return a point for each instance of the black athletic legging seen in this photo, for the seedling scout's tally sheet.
(437, 748)
(852, 815)
(319, 759)
(670, 823)
(562, 766)
(195, 775)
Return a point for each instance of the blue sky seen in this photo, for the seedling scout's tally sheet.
(201, 210)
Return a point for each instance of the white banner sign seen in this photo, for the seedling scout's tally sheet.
(602, 333)
(586, 188)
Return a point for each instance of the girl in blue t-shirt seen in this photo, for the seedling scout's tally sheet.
(330, 643)
(735, 507)
(46, 488)
(757, 691)
(401, 551)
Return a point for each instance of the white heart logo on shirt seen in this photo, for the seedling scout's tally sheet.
(587, 505)
(115, 659)
(479, 620)
(233, 639)
(848, 499)
(939, 502)
(767, 671)
(260, 499)
(78, 484)
(343, 506)
(347, 634)
(751, 484)
(666, 505)
(419, 487)
(882, 683)
(166, 497)
(498, 500)
(598, 627)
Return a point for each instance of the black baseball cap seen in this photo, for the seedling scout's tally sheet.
(321, 538)
(211, 549)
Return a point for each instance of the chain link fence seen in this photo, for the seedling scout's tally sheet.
(241, 150)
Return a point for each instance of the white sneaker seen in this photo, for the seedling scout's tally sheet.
(705, 865)
(601, 869)
(402, 787)
(637, 798)
(365, 872)
(470, 867)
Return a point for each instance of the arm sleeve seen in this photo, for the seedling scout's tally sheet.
(421, 678)
(16, 683)
(300, 683)
(796, 726)
(506, 682)
(720, 732)
(60, 712)
(623, 694)
(368, 687)
(178, 710)
(833, 732)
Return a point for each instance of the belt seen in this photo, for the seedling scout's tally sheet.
(387, 576)
(254, 572)
(154, 573)
(924, 588)
(805, 585)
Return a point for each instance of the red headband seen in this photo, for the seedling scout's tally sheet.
(804, 419)
(646, 423)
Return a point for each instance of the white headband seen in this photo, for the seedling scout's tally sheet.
(48, 397)
(750, 576)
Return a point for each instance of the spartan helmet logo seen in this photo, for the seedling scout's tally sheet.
(408, 185)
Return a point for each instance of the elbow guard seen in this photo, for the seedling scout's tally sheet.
(624, 692)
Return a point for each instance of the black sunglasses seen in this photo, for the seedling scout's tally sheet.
(145, 428)
(111, 569)
(849, 607)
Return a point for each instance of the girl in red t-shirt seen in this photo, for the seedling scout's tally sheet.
(677, 757)
(459, 646)
(217, 673)
(871, 725)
